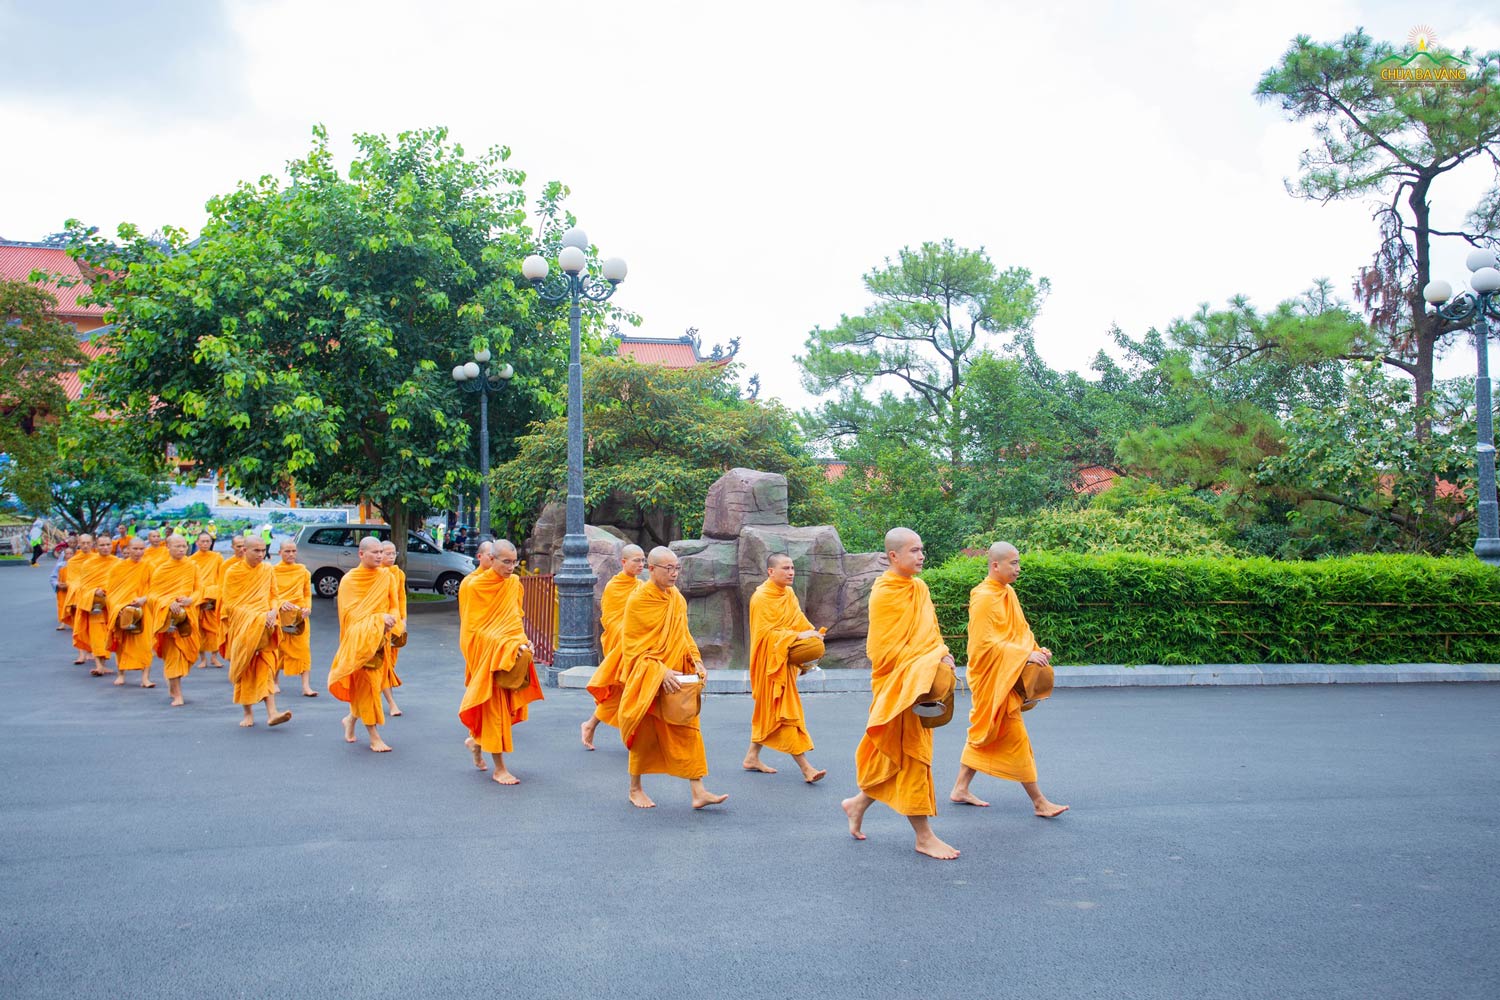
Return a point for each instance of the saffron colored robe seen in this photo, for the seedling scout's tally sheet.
(776, 619)
(128, 582)
(87, 573)
(392, 679)
(294, 652)
(173, 579)
(490, 636)
(62, 593)
(210, 571)
(1000, 640)
(359, 666)
(223, 626)
(893, 763)
(155, 554)
(246, 594)
(655, 640)
(606, 685)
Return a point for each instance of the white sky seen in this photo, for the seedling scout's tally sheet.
(751, 162)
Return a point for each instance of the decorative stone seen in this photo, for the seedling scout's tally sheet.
(743, 497)
(861, 570)
(707, 567)
(818, 554)
(718, 627)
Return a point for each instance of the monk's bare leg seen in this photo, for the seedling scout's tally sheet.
(638, 796)
(248, 720)
(276, 682)
(502, 775)
(961, 791)
(586, 731)
(752, 761)
(274, 717)
(702, 796)
(376, 743)
(119, 677)
(390, 699)
(307, 691)
(349, 721)
(146, 681)
(855, 809)
(1039, 803)
(174, 687)
(928, 842)
(474, 750)
(810, 774)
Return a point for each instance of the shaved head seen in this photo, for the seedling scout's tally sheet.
(664, 567)
(369, 543)
(897, 538)
(632, 552)
(503, 558)
(502, 546)
(1003, 550)
(903, 547)
(177, 546)
(775, 559)
(1005, 563)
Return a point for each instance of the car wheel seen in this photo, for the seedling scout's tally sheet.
(447, 584)
(326, 582)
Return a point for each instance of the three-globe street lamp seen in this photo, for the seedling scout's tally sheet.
(474, 376)
(575, 580)
(1478, 306)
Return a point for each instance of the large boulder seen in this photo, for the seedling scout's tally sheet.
(544, 544)
(708, 566)
(743, 497)
(717, 624)
(861, 570)
(818, 554)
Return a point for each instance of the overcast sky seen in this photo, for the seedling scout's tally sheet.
(750, 161)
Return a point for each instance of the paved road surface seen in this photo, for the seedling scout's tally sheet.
(1330, 842)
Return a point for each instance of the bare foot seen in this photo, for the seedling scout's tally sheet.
(504, 777)
(755, 764)
(218, 664)
(640, 799)
(246, 722)
(148, 684)
(96, 672)
(1048, 810)
(279, 718)
(120, 681)
(61, 628)
(348, 729)
(931, 846)
(814, 775)
(966, 798)
(177, 702)
(473, 746)
(586, 734)
(856, 814)
(275, 688)
(395, 712)
(309, 693)
(707, 799)
(379, 745)
(79, 663)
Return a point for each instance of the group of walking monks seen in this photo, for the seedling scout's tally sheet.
(649, 683)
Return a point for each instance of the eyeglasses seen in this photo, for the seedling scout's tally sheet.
(670, 569)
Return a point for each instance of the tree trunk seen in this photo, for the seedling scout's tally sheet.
(395, 516)
(1424, 326)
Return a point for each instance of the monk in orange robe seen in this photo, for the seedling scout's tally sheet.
(657, 650)
(294, 592)
(236, 557)
(393, 680)
(492, 638)
(1000, 644)
(893, 763)
(156, 547)
(776, 623)
(605, 685)
(76, 600)
(210, 626)
(60, 589)
(247, 603)
(175, 596)
(129, 585)
(91, 628)
(367, 618)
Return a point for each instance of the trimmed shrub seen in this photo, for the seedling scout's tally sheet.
(1131, 609)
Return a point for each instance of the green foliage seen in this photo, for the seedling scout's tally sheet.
(1132, 609)
(1130, 517)
(101, 469)
(890, 483)
(35, 349)
(656, 438)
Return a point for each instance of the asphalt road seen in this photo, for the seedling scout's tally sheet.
(1330, 842)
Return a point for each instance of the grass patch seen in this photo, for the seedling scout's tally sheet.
(424, 597)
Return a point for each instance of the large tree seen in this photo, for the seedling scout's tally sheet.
(36, 350)
(308, 332)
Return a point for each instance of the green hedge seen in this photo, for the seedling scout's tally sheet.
(1121, 608)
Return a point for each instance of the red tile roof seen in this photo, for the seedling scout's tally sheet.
(671, 353)
(71, 381)
(1095, 479)
(834, 471)
(18, 260)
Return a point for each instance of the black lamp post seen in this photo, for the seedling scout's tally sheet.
(1477, 307)
(474, 376)
(575, 582)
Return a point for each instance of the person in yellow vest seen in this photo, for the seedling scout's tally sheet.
(1000, 645)
(777, 625)
(294, 591)
(393, 680)
(605, 685)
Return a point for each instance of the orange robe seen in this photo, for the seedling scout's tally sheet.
(776, 619)
(655, 640)
(606, 684)
(88, 573)
(490, 635)
(210, 626)
(63, 617)
(173, 579)
(893, 763)
(464, 588)
(129, 581)
(294, 652)
(366, 596)
(1000, 640)
(155, 554)
(118, 543)
(245, 596)
(392, 679)
(223, 627)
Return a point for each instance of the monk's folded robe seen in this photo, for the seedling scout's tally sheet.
(393, 679)
(61, 588)
(246, 595)
(89, 572)
(210, 570)
(224, 568)
(366, 596)
(893, 763)
(605, 684)
(1000, 641)
(490, 636)
(654, 641)
(777, 720)
(156, 554)
(128, 582)
(173, 579)
(294, 652)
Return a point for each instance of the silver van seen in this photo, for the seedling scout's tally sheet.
(331, 550)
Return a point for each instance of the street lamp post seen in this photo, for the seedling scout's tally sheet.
(474, 376)
(1478, 306)
(575, 582)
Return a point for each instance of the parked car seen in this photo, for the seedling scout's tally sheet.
(331, 550)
